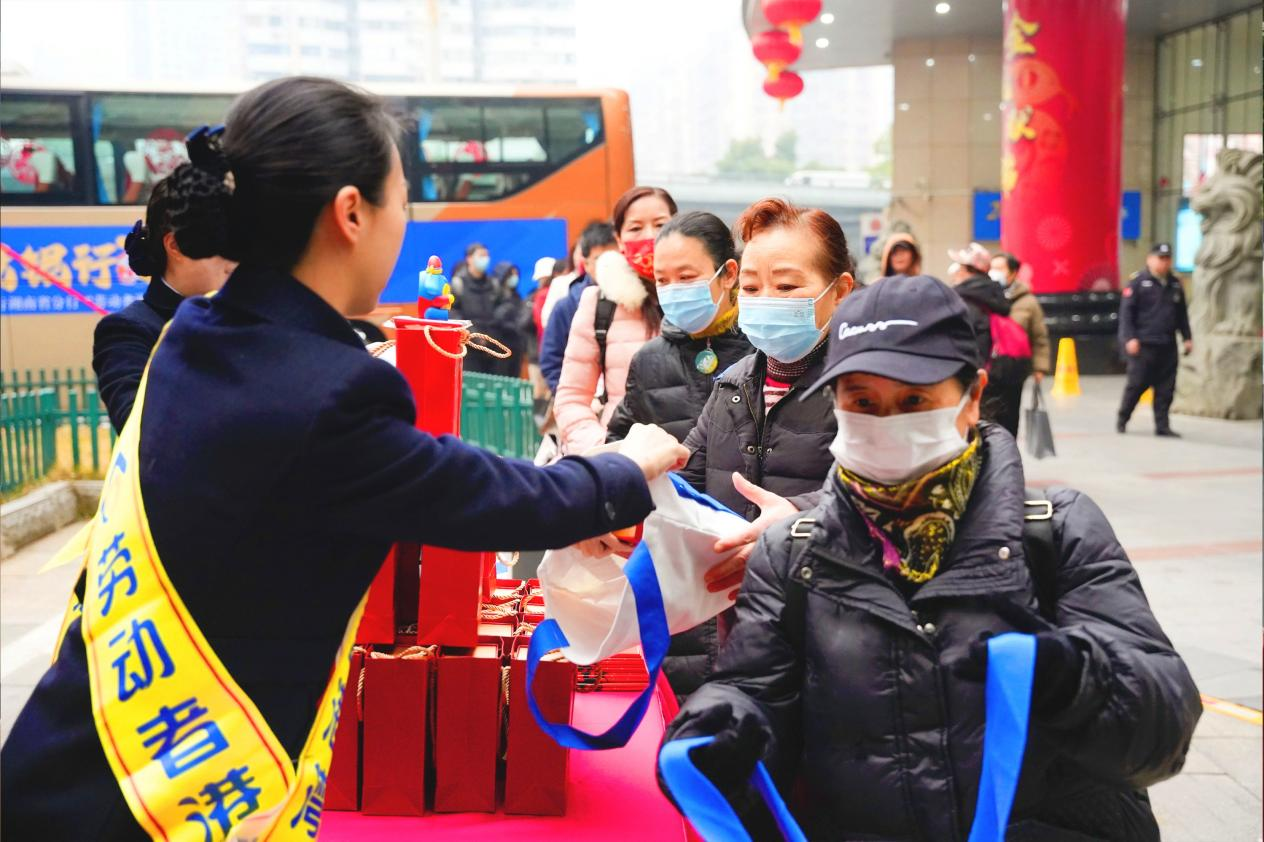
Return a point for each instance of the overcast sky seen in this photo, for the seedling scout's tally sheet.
(686, 64)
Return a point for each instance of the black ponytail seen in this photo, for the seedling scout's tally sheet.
(289, 146)
(191, 203)
(146, 254)
(200, 194)
(706, 228)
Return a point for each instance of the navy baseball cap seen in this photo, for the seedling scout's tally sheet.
(915, 330)
(1162, 250)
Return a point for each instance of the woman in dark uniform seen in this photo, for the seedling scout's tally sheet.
(278, 462)
(177, 268)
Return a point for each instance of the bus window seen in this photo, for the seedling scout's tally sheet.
(138, 139)
(451, 132)
(37, 150)
(573, 129)
(515, 133)
(484, 150)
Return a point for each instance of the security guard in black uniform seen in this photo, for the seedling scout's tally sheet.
(1151, 312)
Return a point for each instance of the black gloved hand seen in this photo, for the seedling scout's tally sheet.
(729, 761)
(1059, 666)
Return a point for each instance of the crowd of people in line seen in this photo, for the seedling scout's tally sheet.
(865, 432)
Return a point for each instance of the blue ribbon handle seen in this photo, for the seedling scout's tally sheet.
(707, 810)
(652, 620)
(684, 489)
(1011, 668)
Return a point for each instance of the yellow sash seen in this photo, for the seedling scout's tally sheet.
(193, 756)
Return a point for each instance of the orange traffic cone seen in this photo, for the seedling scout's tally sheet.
(1147, 396)
(1066, 375)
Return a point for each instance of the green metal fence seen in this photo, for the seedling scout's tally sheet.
(56, 419)
(496, 414)
(50, 420)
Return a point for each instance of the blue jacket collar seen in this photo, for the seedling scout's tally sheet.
(278, 297)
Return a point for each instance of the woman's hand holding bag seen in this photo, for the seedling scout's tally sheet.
(727, 575)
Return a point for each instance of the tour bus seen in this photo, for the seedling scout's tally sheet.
(518, 170)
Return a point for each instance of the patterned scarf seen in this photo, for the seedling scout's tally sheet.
(916, 520)
(722, 325)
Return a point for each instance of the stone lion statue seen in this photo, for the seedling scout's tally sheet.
(1222, 377)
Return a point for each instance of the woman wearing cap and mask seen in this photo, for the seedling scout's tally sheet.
(670, 378)
(857, 658)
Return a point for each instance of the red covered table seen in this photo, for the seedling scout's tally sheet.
(611, 795)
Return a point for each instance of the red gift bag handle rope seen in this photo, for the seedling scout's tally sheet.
(412, 653)
(478, 341)
(493, 611)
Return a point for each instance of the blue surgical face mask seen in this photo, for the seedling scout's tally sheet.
(480, 262)
(783, 328)
(689, 306)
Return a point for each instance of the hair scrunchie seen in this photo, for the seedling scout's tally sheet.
(139, 256)
(206, 153)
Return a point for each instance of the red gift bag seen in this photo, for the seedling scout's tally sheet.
(489, 575)
(450, 598)
(535, 765)
(377, 624)
(396, 694)
(469, 700)
(342, 787)
(429, 354)
(392, 600)
(499, 635)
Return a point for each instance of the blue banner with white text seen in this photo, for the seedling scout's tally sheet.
(91, 260)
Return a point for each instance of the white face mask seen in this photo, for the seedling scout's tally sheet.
(896, 448)
(998, 276)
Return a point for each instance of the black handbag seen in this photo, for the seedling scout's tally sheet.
(1039, 431)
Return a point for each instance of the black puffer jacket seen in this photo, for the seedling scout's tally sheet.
(787, 453)
(665, 388)
(886, 741)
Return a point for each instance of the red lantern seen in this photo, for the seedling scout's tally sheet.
(787, 85)
(774, 51)
(792, 16)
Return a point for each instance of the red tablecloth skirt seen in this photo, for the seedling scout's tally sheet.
(612, 795)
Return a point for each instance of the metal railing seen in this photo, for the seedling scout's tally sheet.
(54, 423)
(496, 414)
(50, 422)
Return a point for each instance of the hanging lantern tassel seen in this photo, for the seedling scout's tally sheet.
(787, 85)
(775, 51)
(792, 16)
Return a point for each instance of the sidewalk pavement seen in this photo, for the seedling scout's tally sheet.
(1188, 512)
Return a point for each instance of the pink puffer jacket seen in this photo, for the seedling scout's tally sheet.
(579, 424)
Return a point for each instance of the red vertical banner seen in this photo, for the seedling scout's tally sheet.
(1063, 131)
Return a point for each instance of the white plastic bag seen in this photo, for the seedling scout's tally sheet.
(591, 600)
